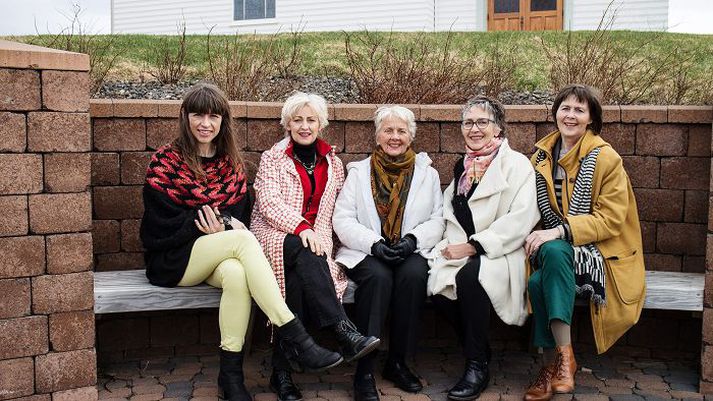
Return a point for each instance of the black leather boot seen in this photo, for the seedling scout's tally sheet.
(231, 378)
(396, 371)
(474, 380)
(353, 345)
(365, 388)
(301, 350)
(281, 383)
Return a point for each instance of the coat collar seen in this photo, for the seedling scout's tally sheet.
(588, 142)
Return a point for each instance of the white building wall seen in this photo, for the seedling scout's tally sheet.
(162, 16)
(459, 15)
(639, 15)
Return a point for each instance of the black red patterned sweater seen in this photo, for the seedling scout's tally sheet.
(172, 197)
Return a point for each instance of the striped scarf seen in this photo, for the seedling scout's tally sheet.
(588, 261)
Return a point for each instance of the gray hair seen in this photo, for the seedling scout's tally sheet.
(300, 99)
(400, 112)
(492, 107)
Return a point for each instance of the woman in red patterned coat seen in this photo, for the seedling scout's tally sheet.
(196, 206)
(296, 188)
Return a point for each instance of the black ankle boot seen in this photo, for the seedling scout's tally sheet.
(474, 380)
(365, 388)
(231, 378)
(353, 345)
(281, 383)
(301, 350)
(396, 371)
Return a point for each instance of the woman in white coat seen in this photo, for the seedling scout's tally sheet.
(489, 209)
(387, 215)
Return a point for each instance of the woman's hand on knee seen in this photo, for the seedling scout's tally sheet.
(207, 221)
(311, 240)
(458, 251)
(534, 241)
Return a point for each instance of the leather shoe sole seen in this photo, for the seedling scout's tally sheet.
(364, 351)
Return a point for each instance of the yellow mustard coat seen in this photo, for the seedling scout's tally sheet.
(613, 226)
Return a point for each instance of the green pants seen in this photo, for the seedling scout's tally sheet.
(233, 260)
(552, 290)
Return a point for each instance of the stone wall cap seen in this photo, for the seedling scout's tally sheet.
(21, 55)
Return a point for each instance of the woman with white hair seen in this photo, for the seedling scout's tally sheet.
(296, 187)
(387, 215)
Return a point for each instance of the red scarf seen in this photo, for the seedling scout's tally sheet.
(476, 163)
(223, 185)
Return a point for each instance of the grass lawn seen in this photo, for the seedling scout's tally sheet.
(324, 53)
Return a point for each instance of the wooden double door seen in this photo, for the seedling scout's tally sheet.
(524, 15)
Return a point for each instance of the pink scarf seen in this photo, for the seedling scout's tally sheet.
(476, 163)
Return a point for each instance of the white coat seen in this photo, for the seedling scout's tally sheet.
(504, 207)
(357, 223)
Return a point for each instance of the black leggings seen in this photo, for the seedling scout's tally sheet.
(470, 313)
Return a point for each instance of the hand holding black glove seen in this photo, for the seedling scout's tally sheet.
(385, 253)
(406, 246)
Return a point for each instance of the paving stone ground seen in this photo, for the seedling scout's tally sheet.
(607, 377)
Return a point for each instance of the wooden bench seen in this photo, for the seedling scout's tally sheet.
(130, 291)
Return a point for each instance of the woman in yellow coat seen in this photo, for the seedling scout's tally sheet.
(589, 244)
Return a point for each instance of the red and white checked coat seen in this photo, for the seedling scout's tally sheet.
(278, 209)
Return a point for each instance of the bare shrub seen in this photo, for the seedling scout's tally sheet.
(623, 74)
(245, 65)
(420, 71)
(499, 65)
(169, 58)
(77, 38)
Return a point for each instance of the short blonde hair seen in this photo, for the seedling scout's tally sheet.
(300, 99)
(400, 112)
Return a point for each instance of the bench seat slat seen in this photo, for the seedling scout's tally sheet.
(130, 291)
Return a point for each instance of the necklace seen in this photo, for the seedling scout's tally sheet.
(308, 166)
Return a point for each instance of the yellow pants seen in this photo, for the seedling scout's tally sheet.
(233, 260)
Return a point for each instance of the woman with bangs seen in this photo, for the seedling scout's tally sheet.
(196, 207)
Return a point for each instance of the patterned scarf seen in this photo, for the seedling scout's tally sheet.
(476, 163)
(588, 261)
(390, 183)
(223, 185)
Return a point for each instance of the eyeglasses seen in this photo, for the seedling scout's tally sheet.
(481, 123)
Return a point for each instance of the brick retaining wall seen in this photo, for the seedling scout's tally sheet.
(46, 279)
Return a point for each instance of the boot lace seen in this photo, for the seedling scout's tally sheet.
(543, 378)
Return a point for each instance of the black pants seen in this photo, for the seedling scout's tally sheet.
(399, 289)
(470, 313)
(309, 290)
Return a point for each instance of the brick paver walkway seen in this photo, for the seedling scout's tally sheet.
(608, 377)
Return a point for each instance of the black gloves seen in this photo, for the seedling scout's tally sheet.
(397, 253)
(406, 246)
(385, 253)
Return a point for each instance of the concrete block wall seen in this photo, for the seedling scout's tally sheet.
(46, 280)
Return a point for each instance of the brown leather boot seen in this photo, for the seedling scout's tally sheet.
(541, 388)
(565, 368)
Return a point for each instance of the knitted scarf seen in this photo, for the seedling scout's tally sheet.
(223, 185)
(588, 261)
(475, 164)
(390, 183)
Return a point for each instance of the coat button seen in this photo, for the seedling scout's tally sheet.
(571, 180)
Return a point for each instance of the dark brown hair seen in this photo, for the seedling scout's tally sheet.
(205, 98)
(582, 93)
